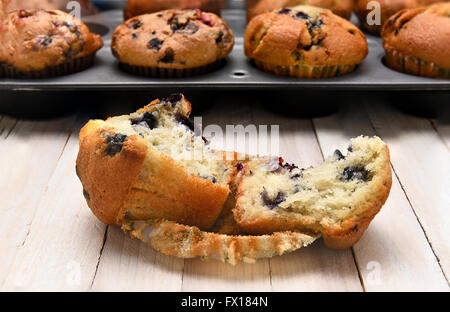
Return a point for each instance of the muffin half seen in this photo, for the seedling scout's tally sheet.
(172, 43)
(305, 42)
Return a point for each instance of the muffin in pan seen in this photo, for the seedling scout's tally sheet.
(45, 43)
(140, 7)
(417, 41)
(342, 8)
(87, 8)
(387, 9)
(305, 42)
(172, 43)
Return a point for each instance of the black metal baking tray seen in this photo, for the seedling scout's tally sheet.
(237, 73)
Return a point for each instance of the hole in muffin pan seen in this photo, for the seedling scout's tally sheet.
(239, 74)
(98, 29)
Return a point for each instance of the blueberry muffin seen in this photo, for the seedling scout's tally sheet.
(417, 41)
(172, 43)
(152, 165)
(183, 241)
(140, 7)
(45, 43)
(387, 9)
(337, 199)
(305, 42)
(87, 8)
(342, 8)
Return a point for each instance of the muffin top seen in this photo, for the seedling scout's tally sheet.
(388, 8)
(423, 33)
(342, 8)
(304, 35)
(36, 39)
(139, 7)
(172, 39)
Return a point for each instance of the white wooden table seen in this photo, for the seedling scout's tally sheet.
(49, 239)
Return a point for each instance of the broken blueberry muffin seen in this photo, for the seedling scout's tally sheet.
(337, 199)
(183, 241)
(417, 41)
(45, 43)
(305, 42)
(172, 43)
(152, 164)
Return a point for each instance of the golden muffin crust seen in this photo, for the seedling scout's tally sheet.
(388, 8)
(417, 41)
(37, 39)
(343, 8)
(305, 36)
(178, 39)
(140, 7)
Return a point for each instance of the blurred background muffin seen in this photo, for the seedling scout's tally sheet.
(139, 7)
(387, 9)
(417, 41)
(342, 8)
(45, 43)
(87, 8)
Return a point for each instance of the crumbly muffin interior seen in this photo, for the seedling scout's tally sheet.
(170, 132)
(330, 192)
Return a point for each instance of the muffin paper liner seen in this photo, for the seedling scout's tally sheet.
(157, 72)
(305, 71)
(73, 66)
(414, 66)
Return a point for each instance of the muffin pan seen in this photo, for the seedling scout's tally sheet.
(237, 73)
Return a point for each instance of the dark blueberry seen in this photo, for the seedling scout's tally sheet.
(289, 167)
(44, 41)
(272, 202)
(114, 143)
(168, 57)
(134, 35)
(153, 32)
(159, 15)
(240, 167)
(338, 154)
(351, 31)
(350, 173)
(219, 38)
(135, 24)
(296, 176)
(155, 44)
(191, 28)
(86, 195)
(172, 99)
(350, 148)
(72, 28)
(213, 179)
(147, 119)
(185, 121)
(302, 15)
(284, 11)
(176, 25)
(307, 48)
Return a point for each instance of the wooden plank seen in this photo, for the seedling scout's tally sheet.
(393, 254)
(29, 153)
(421, 160)
(212, 275)
(315, 268)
